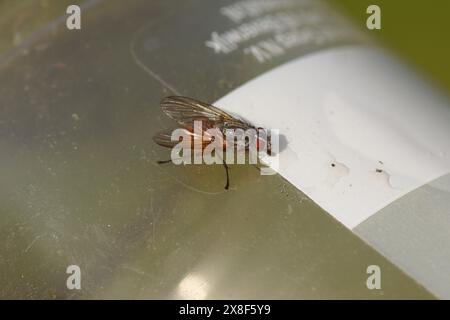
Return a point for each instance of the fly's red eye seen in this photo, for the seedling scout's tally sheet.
(260, 143)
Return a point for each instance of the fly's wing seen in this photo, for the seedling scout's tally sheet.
(186, 110)
(164, 138)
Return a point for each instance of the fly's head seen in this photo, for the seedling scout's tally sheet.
(263, 140)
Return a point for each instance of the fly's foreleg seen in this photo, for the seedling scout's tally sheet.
(226, 171)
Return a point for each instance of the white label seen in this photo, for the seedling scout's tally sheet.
(362, 130)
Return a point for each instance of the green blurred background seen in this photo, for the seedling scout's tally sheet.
(416, 30)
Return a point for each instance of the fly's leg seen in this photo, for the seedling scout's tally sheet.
(226, 171)
(227, 184)
(169, 161)
(163, 161)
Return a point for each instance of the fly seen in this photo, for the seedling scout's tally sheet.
(186, 110)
